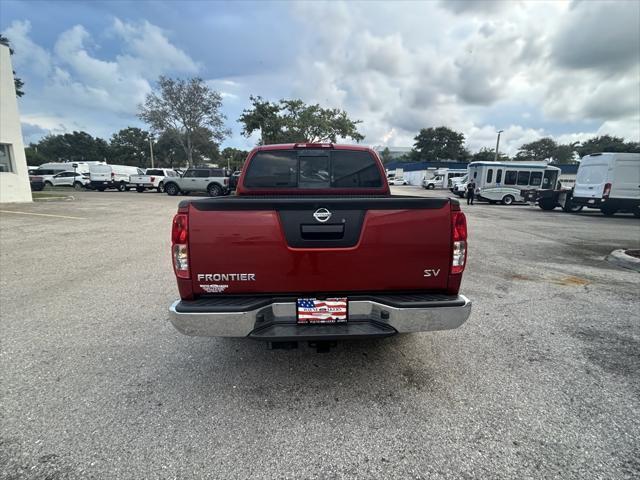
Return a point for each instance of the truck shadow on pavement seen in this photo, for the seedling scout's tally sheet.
(376, 372)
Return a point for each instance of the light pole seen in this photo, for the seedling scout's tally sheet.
(151, 150)
(497, 145)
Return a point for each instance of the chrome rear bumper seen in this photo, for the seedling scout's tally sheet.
(277, 319)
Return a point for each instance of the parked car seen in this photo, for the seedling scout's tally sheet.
(37, 183)
(398, 181)
(233, 180)
(609, 182)
(213, 181)
(69, 179)
(47, 174)
(103, 177)
(153, 178)
(299, 243)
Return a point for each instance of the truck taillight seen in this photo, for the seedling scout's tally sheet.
(607, 190)
(113, 174)
(153, 179)
(179, 245)
(226, 181)
(459, 238)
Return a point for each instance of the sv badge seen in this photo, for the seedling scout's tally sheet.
(432, 273)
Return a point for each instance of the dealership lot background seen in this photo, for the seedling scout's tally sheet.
(542, 381)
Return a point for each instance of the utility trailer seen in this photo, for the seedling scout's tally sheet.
(548, 199)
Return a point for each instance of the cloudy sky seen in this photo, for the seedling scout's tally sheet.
(568, 69)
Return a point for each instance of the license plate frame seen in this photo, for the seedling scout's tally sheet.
(327, 310)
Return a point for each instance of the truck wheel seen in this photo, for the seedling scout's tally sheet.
(161, 188)
(139, 189)
(122, 187)
(172, 189)
(214, 190)
(431, 186)
(608, 211)
(100, 189)
(508, 200)
(570, 207)
(547, 204)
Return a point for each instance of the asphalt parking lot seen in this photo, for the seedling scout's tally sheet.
(543, 381)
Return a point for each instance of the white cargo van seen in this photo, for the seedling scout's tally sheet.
(112, 176)
(609, 182)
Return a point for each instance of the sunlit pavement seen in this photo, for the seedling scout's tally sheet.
(542, 381)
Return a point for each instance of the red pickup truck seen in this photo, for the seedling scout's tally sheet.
(314, 247)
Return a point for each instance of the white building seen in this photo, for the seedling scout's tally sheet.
(14, 177)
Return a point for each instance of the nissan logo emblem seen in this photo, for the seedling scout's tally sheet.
(322, 215)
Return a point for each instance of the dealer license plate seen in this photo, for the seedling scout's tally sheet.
(327, 310)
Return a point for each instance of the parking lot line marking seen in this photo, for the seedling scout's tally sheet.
(42, 214)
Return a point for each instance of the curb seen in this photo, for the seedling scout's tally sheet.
(621, 259)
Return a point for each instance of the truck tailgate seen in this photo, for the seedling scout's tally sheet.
(263, 245)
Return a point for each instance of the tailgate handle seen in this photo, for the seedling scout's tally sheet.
(322, 232)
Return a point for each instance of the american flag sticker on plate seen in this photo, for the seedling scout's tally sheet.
(329, 310)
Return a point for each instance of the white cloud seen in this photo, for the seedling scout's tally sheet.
(79, 89)
(149, 52)
(27, 53)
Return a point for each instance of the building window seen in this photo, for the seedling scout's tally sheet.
(6, 164)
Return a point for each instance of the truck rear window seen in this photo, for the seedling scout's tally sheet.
(313, 169)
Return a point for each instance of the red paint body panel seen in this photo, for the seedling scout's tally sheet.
(394, 249)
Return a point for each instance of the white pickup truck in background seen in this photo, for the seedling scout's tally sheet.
(154, 178)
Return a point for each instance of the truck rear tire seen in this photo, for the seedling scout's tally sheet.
(161, 188)
(508, 200)
(122, 187)
(172, 189)
(100, 189)
(139, 189)
(431, 186)
(608, 211)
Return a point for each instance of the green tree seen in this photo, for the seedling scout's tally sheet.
(291, 121)
(233, 158)
(542, 149)
(607, 143)
(130, 146)
(488, 155)
(385, 156)
(74, 147)
(565, 153)
(188, 109)
(34, 156)
(440, 143)
(18, 83)
(168, 151)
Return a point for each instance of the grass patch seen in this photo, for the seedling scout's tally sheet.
(50, 197)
